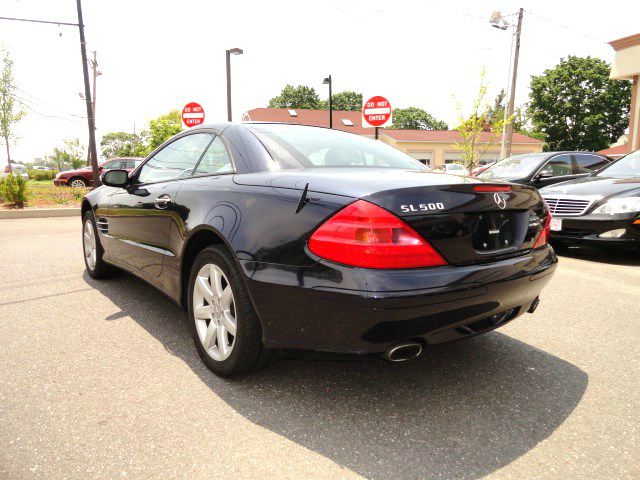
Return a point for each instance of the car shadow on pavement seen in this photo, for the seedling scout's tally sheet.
(460, 411)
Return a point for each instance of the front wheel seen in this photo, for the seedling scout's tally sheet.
(225, 327)
(93, 251)
(78, 183)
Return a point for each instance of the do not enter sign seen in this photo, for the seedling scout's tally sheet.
(193, 114)
(376, 112)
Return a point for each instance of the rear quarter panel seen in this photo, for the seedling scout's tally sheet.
(258, 223)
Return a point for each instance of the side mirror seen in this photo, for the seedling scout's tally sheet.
(546, 173)
(115, 178)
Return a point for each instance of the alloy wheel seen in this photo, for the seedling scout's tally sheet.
(89, 244)
(214, 312)
(78, 184)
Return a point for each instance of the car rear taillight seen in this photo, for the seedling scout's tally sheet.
(544, 234)
(365, 235)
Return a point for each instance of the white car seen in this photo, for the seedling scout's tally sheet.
(454, 169)
(17, 169)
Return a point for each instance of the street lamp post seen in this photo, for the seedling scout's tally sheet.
(498, 21)
(327, 81)
(232, 51)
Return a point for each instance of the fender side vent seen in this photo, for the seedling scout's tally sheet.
(103, 225)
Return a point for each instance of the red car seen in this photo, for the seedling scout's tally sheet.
(83, 177)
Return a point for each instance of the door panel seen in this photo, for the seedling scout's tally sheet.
(142, 216)
(140, 225)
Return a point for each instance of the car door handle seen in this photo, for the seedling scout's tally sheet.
(163, 201)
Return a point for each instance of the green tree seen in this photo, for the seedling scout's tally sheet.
(9, 115)
(347, 100)
(413, 118)
(576, 106)
(161, 129)
(122, 144)
(71, 154)
(480, 130)
(296, 97)
(521, 120)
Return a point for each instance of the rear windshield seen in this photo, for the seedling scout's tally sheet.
(299, 146)
(513, 167)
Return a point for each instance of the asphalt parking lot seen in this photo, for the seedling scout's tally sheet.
(101, 380)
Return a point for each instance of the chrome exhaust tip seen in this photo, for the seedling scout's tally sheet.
(403, 352)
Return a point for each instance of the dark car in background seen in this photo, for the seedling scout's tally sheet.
(83, 177)
(277, 237)
(603, 208)
(542, 169)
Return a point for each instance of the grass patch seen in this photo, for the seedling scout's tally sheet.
(46, 195)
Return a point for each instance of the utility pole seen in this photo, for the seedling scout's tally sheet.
(87, 97)
(512, 93)
(87, 90)
(96, 74)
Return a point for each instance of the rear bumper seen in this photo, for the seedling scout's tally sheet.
(351, 310)
(586, 230)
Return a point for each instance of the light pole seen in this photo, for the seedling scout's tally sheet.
(498, 21)
(327, 81)
(232, 51)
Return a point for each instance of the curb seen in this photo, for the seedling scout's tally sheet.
(40, 213)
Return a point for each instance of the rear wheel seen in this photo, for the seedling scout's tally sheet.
(225, 327)
(78, 183)
(93, 251)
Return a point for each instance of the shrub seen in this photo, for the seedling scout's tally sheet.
(42, 174)
(14, 190)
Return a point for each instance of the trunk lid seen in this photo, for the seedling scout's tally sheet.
(464, 225)
(468, 226)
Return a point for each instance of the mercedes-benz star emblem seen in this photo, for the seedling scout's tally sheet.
(500, 200)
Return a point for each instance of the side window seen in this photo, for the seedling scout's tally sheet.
(589, 163)
(560, 165)
(215, 160)
(115, 164)
(176, 160)
(131, 164)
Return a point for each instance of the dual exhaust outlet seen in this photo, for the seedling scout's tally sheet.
(403, 352)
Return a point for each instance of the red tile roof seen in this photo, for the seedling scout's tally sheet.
(615, 151)
(448, 136)
(320, 118)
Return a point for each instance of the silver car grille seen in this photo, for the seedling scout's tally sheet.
(567, 205)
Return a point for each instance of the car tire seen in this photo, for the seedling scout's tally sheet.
(92, 250)
(78, 183)
(225, 350)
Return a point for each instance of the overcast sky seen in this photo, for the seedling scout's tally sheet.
(158, 55)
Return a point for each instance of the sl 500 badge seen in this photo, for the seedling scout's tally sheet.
(422, 207)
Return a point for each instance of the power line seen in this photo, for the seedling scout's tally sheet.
(573, 30)
(24, 104)
(41, 102)
(32, 20)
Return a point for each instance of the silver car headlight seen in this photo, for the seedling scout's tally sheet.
(620, 205)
